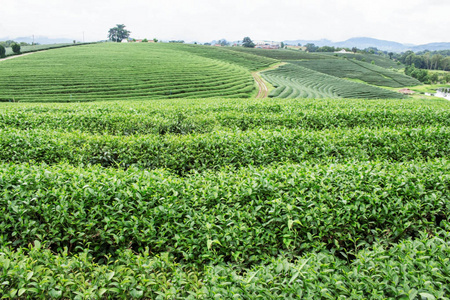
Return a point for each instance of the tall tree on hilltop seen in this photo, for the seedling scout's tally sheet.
(118, 33)
(247, 42)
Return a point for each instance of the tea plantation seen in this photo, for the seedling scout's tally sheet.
(111, 71)
(225, 198)
(305, 75)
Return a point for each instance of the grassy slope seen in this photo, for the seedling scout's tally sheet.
(128, 71)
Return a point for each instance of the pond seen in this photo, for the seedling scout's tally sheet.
(441, 93)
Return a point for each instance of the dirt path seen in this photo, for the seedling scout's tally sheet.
(263, 90)
(14, 56)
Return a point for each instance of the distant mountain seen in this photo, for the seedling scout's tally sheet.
(365, 42)
(43, 40)
(431, 47)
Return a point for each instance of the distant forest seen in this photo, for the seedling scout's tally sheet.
(430, 60)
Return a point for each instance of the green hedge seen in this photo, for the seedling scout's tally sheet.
(413, 269)
(241, 216)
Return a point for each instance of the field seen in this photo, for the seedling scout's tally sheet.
(128, 71)
(377, 59)
(323, 79)
(34, 48)
(295, 81)
(371, 74)
(225, 198)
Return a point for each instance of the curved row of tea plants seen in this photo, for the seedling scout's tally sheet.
(242, 216)
(293, 81)
(280, 54)
(408, 270)
(378, 60)
(183, 154)
(117, 71)
(359, 70)
(225, 198)
(208, 115)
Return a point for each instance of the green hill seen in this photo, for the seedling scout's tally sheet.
(129, 71)
(293, 81)
(349, 68)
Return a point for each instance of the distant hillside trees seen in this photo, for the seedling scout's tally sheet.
(118, 33)
(311, 47)
(437, 60)
(247, 42)
(2, 51)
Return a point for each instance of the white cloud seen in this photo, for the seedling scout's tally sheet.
(414, 21)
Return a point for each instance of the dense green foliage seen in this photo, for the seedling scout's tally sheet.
(122, 71)
(15, 48)
(436, 60)
(344, 68)
(2, 51)
(203, 116)
(225, 198)
(294, 81)
(416, 269)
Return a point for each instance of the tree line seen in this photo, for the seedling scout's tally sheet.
(436, 60)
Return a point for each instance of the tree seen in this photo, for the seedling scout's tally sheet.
(223, 42)
(390, 54)
(354, 49)
(145, 41)
(247, 42)
(311, 47)
(15, 48)
(118, 33)
(282, 45)
(2, 51)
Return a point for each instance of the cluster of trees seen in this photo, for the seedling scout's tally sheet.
(437, 60)
(15, 48)
(9, 43)
(425, 76)
(118, 33)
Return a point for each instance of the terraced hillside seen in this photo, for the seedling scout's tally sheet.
(225, 198)
(127, 71)
(344, 68)
(380, 61)
(280, 54)
(294, 81)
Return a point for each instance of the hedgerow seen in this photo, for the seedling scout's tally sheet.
(197, 152)
(408, 270)
(241, 216)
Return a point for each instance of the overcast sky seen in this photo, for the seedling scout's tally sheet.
(405, 21)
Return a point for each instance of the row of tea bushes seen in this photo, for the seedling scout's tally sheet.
(412, 269)
(242, 216)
